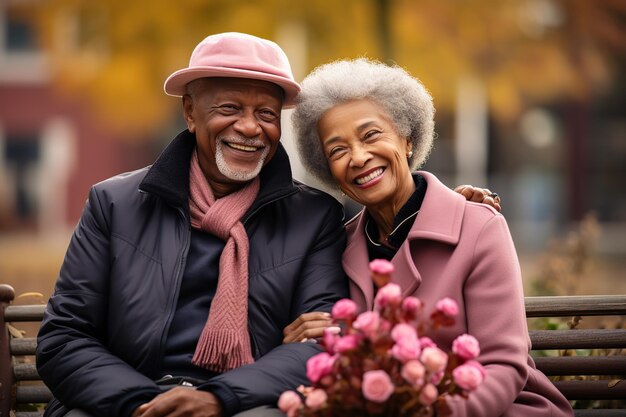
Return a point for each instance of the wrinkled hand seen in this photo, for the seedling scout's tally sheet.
(181, 401)
(480, 195)
(307, 326)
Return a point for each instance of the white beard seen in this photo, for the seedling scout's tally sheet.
(234, 174)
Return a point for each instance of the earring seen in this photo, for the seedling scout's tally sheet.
(410, 154)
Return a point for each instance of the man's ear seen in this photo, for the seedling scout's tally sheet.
(188, 113)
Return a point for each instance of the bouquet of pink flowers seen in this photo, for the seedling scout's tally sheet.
(380, 365)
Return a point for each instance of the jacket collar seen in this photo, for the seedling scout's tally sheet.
(168, 177)
(439, 219)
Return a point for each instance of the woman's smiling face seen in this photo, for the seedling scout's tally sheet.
(366, 155)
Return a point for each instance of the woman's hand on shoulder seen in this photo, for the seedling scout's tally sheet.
(480, 195)
(307, 326)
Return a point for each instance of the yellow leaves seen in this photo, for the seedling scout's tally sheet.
(127, 96)
(504, 98)
(118, 52)
(613, 383)
(15, 332)
(37, 295)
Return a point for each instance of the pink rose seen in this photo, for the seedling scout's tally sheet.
(381, 272)
(377, 386)
(404, 331)
(469, 375)
(316, 399)
(448, 307)
(434, 359)
(381, 266)
(318, 366)
(346, 343)
(406, 349)
(466, 346)
(344, 309)
(428, 395)
(367, 322)
(389, 294)
(436, 378)
(289, 402)
(412, 306)
(413, 372)
(385, 326)
(330, 338)
(427, 342)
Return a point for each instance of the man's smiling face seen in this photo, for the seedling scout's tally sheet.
(237, 126)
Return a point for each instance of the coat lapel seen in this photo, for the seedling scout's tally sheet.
(356, 263)
(441, 215)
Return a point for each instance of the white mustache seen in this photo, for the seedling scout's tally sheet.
(242, 141)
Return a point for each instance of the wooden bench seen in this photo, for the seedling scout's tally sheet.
(608, 346)
(20, 383)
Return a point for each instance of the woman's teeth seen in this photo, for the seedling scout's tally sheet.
(369, 177)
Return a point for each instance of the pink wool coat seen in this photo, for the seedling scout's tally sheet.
(464, 251)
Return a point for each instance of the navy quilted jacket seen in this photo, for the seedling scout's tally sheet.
(106, 323)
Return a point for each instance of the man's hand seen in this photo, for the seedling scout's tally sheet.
(181, 401)
(480, 195)
(307, 326)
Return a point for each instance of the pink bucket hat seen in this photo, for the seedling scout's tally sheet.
(238, 55)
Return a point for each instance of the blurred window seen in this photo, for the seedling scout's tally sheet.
(20, 34)
(22, 154)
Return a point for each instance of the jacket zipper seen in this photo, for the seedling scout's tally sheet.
(180, 267)
(255, 346)
(172, 300)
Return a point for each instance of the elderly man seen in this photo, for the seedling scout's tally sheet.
(187, 271)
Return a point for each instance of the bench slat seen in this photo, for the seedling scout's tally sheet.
(26, 372)
(604, 412)
(591, 390)
(23, 346)
(29, 414)
(24, 313)
(578, 339)
(575, 305)
(32, 394)
(582, 365)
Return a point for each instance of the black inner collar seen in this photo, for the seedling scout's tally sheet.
(400, 226)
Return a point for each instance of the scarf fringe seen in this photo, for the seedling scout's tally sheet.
(223, 350)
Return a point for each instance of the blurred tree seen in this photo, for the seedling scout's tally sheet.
(117, 53)
(523, 50)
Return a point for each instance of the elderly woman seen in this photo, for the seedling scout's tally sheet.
(363, 127)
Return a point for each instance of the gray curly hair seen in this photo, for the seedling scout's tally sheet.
(403, 97)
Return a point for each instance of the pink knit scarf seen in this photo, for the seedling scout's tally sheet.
(224, 343)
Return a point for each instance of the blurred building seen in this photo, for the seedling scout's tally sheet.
(52, 149)
(51, 146)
